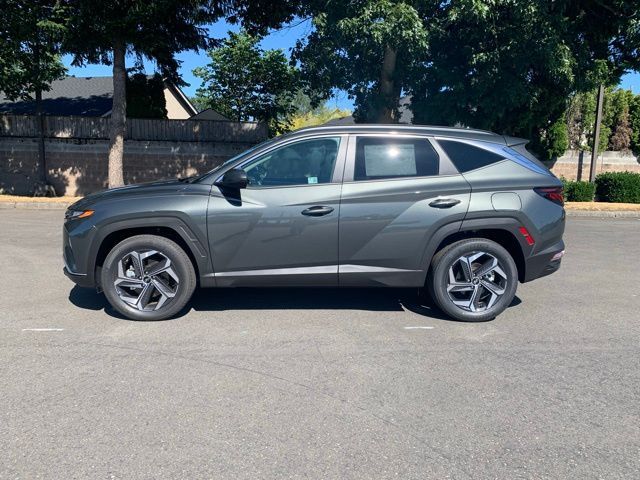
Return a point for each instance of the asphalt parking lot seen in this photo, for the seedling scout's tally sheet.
(321, 383)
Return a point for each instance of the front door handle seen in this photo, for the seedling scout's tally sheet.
(317, 211)
(444, 202)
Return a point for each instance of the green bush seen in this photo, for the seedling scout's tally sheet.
(578, 191)
(623, 187)
(557, 139)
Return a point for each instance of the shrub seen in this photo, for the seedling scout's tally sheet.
(621, 187)
(557, 139)
(578, 191)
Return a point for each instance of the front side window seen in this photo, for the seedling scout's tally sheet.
(307, 162)
(379, 158)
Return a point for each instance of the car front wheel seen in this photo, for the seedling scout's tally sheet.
(147, 277)
(473, 280)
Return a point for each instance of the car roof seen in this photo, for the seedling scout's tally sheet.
(438, 131)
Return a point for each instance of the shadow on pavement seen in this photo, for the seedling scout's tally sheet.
(211, 300)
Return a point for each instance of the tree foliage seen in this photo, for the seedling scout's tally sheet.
(31, 33)
(556, 140)
(510, 66)
(244, 82)
(620, 127)
(145, 96)
(634, 122)
(317, 116)
(368, 48)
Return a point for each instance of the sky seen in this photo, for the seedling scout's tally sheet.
(284, 38)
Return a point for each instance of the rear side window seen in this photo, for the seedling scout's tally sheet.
(467, 157)
(378, 158)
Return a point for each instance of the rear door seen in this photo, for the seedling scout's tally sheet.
(283, 228)
(397, 191)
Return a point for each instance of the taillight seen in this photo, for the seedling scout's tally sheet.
(553, 194)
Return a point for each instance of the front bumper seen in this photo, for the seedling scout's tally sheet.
(544, 263)
(80, 279)
(76, 240)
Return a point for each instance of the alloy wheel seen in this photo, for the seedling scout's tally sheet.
(476, 281)
(146, 280)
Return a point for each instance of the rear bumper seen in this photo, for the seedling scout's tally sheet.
(544, 263)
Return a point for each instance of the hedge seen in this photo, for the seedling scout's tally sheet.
(578, 191)
(621, 187)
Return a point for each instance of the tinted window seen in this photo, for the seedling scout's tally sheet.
(301, 163)
(467, 157)
(394, 158)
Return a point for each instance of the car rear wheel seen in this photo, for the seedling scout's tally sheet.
(147, 277)
(473, 280)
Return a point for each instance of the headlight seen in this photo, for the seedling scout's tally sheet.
(72, 214)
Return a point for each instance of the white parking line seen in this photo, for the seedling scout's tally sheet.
(43, 329)
(419, 328)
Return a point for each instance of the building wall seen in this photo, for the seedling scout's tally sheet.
(77, 168)
(575, 165)
(76, 150)
(175, 110)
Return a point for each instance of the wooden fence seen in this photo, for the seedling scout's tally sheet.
(137, 129)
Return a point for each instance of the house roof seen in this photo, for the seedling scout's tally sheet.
(209, 114)
(85, 96)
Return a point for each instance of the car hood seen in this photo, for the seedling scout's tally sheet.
(130, 191)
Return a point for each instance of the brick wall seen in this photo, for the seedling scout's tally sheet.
(575, 165)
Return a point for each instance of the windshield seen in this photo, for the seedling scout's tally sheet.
(233, 159)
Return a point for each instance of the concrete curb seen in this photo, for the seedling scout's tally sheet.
(603, 213)
(34, 206)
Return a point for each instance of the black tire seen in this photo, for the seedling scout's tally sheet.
(438, 280)
(181, 268)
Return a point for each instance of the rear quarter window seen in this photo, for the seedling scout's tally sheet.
(468, 157)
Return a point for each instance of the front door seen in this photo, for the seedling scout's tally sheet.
(283, 228)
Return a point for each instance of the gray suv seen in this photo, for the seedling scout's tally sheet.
(465, 213)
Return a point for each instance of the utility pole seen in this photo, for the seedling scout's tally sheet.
(596, 135)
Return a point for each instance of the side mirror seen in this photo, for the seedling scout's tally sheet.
(236, 178)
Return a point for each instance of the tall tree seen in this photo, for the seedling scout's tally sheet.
(510, 66)
(30, 36)
(31, 33)
(368, 48)
(106, 32)
(244, 82)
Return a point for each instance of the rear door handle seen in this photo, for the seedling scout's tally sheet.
(444, 202)
(317, 211)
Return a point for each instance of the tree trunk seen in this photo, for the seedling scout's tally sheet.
(42, 161)
(389, 94)
(118, 116)
(42, 167)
